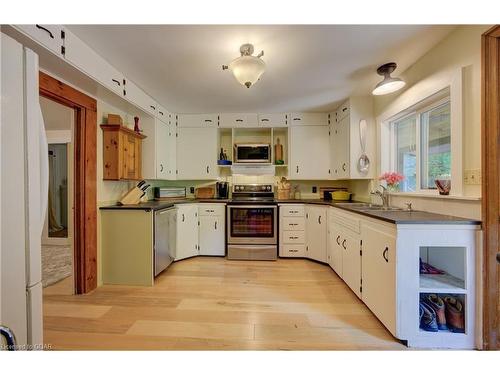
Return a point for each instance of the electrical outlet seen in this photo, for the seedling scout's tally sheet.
(315, 189)
(472, 177)
(191, 189)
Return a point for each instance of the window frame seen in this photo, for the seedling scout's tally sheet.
(434, 101)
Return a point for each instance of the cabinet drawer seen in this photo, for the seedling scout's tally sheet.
(292, 210)
(297, 119)
(211, 209)
(293, 223)
(294, 237)
(292, 251)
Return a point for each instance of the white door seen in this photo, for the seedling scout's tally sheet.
(187, 231)
(379, 274)
(212, 235)
(196, 153)
(351, 262)
(162, 152)
(316, 233)
(309, 152)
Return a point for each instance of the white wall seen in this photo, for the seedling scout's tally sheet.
(461, 49)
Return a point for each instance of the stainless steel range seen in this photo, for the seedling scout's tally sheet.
(252, 229)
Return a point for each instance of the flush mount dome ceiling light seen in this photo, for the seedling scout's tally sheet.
(247, 69)
(388, 84)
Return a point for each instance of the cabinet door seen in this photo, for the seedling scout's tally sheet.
(342, 148)
(238, 120)
(316, 233)
(334, 247)
(334, 153)
(212, 235)
(130, 157)
(162, 157)
(50, 36)
(196, 153)
(138, 97)
(172, 149)
(89, 62)
(379, 274)
(273, 120)
(308, 119)
(309, 153)
(351, 262)
(199, 121)
(187, 231)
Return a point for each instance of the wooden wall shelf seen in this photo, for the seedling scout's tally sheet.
(122, 153)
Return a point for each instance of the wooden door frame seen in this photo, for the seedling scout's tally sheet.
(85, 187)
(490, 139)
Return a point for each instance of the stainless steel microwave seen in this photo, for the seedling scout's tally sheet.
(252, 153)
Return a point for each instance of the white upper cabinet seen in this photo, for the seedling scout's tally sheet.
(309, 153)
(88, 61)
(140, 98)
(238, 120)
(310, 118)
(273, 120)
(196, 153)
(50, 36)
(210, 120)
(162, 155)
(347, 136)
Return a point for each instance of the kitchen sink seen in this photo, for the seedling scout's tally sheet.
(368, 207)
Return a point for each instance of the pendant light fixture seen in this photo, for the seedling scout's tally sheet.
(247, 69)
(388, 84)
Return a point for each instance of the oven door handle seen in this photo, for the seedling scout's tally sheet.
(274, 207)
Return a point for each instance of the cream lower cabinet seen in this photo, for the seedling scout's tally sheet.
(379, 271)
(187, 231)
(212, 229)
(316, 232)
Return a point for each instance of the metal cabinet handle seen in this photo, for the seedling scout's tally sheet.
(343, 167)
(292, 224)
(9, 336)
(319, 219)
(46, 30)
(293, 250)
(215, 225)
(153, 107)
(343, 245)
(344, 109)
(384, 254)
(297, 169)
(297, 119)
(264, 119)
(160, 112)
(239, 120)
(208, 120)
(116, 81)
(338, 240)
(208, 170)
(183, 217)
(161, 167)
(294, 238)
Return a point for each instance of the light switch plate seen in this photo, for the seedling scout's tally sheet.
(472, 177)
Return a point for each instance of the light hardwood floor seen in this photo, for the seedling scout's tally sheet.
(208, 303)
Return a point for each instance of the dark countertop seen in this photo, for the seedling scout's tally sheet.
(394, 217)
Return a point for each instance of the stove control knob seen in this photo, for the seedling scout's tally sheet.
(263, 188)
(268, 187)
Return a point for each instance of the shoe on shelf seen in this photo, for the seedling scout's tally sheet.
(455, 317)
(426, 268)
(437, 304)
(428, 321)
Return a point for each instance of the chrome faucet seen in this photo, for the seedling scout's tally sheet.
(383, 195)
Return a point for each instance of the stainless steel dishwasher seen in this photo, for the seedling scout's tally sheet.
(164, 238)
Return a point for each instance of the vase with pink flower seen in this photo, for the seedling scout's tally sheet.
(392, 180)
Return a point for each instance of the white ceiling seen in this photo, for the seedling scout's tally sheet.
(309, 67)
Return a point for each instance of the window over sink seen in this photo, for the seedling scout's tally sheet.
(421, 148)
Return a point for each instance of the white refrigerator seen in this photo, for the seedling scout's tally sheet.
(23, 194)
